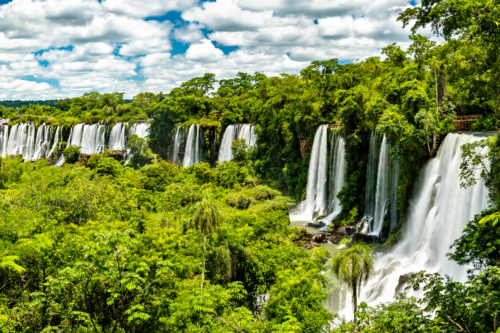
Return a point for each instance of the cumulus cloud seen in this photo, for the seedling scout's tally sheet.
(125, 45)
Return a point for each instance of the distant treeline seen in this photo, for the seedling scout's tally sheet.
(50, 102)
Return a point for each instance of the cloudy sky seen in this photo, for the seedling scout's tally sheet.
(59, 48)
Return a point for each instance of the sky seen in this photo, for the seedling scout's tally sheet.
(63, 48)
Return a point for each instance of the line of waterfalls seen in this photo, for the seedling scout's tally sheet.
(43, 142)
(188, 144)
(381, 187)
(325, 178)
(234, 132)
(438, 212)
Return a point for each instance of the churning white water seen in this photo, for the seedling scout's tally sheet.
(193, 147)
(437, 214)
(233, 132)
(318, 188)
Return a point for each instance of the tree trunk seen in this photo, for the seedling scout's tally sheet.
(436, 81)
(204, 258)
(355, 299)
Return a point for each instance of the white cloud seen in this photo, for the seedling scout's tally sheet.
(109, 46)
(204, 51)
(145, 8)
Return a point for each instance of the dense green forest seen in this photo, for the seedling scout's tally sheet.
(99, 246)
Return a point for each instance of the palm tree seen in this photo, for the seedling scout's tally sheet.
(353, 265)
(207, 218)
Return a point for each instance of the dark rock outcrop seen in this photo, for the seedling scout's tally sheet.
(403, 279)
(367, 239)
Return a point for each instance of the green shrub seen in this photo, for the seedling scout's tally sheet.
(93, 161)
(71, 154)
(157, 177)
(229, 173)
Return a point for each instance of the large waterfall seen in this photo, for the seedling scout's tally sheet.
(193, 147)
(233, 132)
(438, 212)
(321, 169)
(34, 143)
(381, 185)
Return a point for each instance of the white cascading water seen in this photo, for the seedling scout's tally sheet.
(337, 173)
(56, 141)
(193, 151)
(90, 138)
(141, 130)
(4, 139)
(117, 139)
(177, 145)
(42, 142)
(318, 187)
(382, 189)
(381, 185)
(233, 132)
(437, 214)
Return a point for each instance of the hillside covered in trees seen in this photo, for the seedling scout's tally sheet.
(99, 245)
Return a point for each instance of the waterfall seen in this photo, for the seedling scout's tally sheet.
(177, 145)
(371, 176)
(42, 142)
(90, 138)
(193, 151)
(382, 188)
(315, 204)
(56, 140)
(4, 139)
(117, 139)
(337, 179)
(141, 130)
(18, 139)
(437, 214)
(233, 132)
(382, 178)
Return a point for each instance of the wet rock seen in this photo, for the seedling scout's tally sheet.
(305, 236)
(346, 230)
(318, 224)
(314, 244)
(319, 238)
(367, 239)
(403, 279)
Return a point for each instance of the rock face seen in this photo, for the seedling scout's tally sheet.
(403, 279)
(367, 239)
(317, 224)
(319, 238)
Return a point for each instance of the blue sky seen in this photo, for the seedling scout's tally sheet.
(59, 48)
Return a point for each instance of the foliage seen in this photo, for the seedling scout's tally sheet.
(353, 265)
(71, 154)
(479, 244)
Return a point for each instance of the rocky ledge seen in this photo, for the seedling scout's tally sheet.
(308, 240)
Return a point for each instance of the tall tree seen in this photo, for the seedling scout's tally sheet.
(353, 265)
(207, 218)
